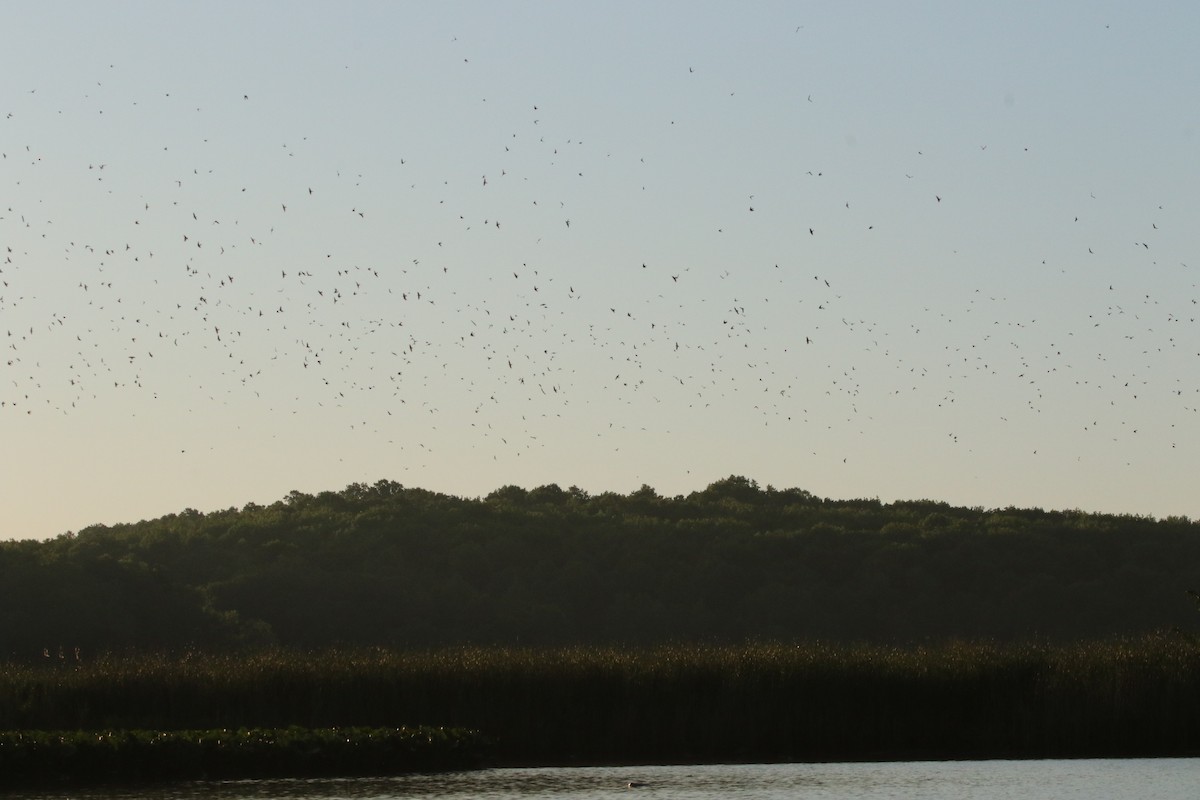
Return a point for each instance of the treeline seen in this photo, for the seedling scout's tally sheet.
(387, 565)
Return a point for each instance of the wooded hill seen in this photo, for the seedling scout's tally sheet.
(393, 566)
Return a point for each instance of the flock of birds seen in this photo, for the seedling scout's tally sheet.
(168, 276)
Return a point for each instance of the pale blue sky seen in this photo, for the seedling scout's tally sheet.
(995, 305)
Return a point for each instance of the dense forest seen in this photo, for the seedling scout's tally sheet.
(392, 566)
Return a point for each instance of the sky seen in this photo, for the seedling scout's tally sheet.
(934, 250)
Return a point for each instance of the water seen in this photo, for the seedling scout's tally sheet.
(1093, 779)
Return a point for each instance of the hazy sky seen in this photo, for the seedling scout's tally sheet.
(878, 249)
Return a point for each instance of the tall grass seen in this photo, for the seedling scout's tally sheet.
(765, 701)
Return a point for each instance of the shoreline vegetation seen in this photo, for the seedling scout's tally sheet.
(555, 627)
(596, 705)
(139, 756)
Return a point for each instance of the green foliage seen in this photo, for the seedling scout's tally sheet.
(387, 565)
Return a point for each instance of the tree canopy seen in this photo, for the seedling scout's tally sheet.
(388, 565)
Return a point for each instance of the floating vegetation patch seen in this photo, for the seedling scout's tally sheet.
(142, 755)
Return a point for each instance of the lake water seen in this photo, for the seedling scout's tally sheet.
(1090, 779)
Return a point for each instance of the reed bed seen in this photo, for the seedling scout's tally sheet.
(674, 703)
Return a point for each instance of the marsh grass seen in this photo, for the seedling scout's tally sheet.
(765, 701)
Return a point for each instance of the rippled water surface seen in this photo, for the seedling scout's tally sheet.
(1144, 779)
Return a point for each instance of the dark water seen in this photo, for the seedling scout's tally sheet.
(1125, 779)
